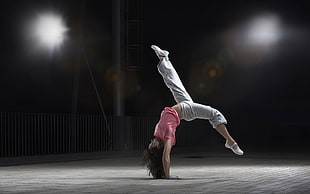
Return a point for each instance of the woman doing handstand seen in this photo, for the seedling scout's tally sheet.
(157, 156)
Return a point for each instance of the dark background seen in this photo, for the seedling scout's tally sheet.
(263, 92)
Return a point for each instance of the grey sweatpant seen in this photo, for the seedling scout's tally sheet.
(190, 109)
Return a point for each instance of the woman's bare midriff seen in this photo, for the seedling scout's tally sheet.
(178, 108)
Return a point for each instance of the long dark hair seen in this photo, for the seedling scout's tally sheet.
(152, 158)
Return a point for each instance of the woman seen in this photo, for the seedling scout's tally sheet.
(157, 156)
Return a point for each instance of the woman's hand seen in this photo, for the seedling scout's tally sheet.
(174, 178)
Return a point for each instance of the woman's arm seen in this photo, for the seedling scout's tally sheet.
(166, 158)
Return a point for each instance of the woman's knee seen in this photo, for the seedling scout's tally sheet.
(217, 119)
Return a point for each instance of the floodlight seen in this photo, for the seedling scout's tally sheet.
(263, 30)
(49, 30)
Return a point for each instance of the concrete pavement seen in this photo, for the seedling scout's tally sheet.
(199, 172)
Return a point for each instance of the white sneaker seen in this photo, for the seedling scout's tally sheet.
(158, 51)
(236, 150)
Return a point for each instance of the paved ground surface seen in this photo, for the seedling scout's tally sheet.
(200, 173)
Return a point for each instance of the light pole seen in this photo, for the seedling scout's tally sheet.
(118, 100)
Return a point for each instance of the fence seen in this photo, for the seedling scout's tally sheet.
(24, 134)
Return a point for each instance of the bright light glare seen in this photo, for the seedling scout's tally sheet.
(264, 30)
(49, 30)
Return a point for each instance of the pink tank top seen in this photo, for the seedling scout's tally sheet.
(166, 126)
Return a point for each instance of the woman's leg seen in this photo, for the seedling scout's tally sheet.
(215, 117)
(230, 142)
(192, 110)
(171, 77)
(221, 129)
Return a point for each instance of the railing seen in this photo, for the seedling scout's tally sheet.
(41, 134)
(25, 134)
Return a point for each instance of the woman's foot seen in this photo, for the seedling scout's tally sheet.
(159, 52)
(235, 148)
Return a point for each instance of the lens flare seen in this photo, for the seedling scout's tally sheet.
(205, 78)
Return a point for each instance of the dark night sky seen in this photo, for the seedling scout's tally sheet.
(270, 83)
